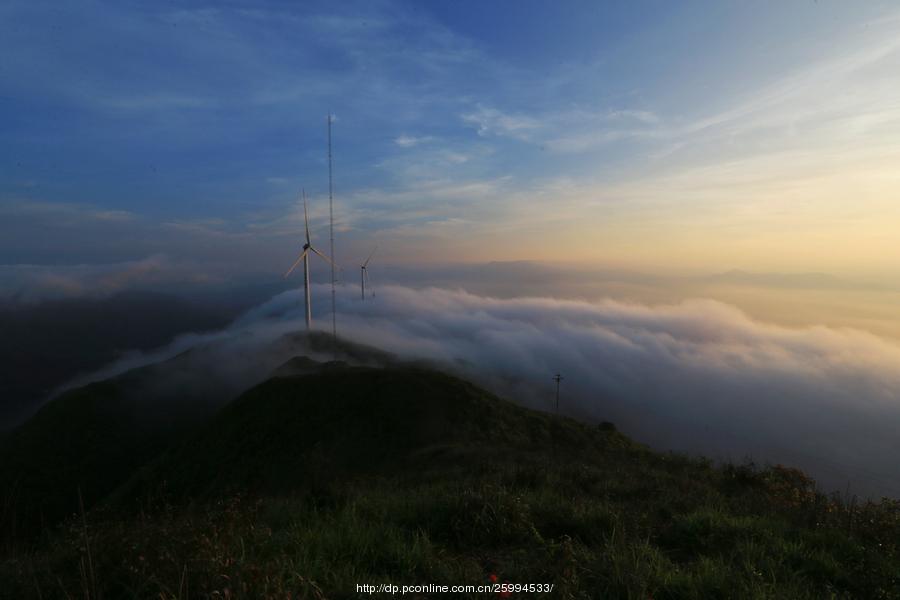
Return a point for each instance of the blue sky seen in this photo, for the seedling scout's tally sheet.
(697, 135)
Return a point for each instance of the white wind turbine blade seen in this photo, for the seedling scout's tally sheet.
(296, 262)
(323, 256)
(368, 285)
(305, 216)
(371, 254)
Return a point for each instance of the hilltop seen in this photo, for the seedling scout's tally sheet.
(329, 474)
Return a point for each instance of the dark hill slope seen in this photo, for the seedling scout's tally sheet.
(89, 440)
(295, 432)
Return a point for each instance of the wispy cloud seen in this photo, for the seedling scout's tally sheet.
(68, 213)
(408, 141)
(491, 121)
(569, 130)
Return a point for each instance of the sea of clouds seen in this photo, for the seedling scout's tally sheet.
(696, 376)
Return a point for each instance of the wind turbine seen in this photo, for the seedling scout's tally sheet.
(304, 256)
(364, 274)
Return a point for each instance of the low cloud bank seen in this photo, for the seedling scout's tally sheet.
(696, 376)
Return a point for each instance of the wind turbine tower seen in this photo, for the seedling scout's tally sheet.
(304, 256)
(364, 274)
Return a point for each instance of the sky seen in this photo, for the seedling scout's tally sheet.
(690, 137)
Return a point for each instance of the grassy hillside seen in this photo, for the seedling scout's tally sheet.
(291, 433)
(92, 439)
(309, 484)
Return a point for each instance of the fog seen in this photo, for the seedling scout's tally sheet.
(697, 376)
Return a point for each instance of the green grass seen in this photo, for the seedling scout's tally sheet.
(306, 486)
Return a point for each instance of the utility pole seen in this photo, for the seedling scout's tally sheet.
(557, 378)
(331, 232)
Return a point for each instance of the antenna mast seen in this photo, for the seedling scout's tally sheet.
(331, 231)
